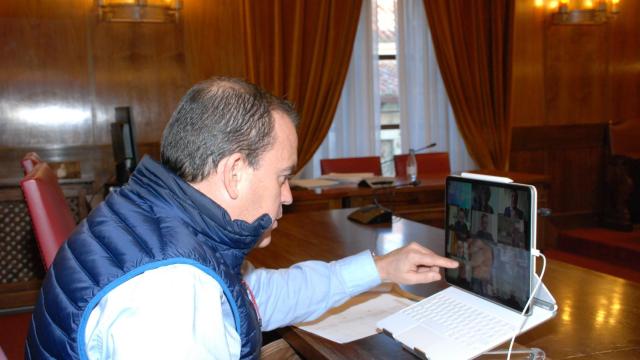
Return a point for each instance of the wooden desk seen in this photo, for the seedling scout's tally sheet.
(423, 203)
(350, 195)
(598, 318)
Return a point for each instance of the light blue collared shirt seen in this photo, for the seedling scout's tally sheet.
(178, 310)
(306, 290)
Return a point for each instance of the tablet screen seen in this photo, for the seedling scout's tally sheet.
(489, 230)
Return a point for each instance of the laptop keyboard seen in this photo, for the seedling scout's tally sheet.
(462, 323)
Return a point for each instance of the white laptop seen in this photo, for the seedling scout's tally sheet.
(490, 230)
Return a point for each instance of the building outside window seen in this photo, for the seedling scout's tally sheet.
(385, 42)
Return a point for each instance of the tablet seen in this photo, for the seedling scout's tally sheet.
(491, 229)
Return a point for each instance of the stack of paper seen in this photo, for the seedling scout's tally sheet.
(357, 318)
(352, 178)
(312, 183)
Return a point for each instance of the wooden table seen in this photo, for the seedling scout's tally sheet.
(350, 195)
(423, 203)
(598, 316)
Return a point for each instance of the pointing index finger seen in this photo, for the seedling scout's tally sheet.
(441, 261)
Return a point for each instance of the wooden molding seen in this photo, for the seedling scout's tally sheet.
(554, 137)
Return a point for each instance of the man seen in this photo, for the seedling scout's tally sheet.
(460, 226)
(155, 271)
(513, 211)
(484, 233)
(511, 263)
(481, 256)
(481, 262)
(481, 198)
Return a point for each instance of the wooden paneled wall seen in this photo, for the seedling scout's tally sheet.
(63, 72)
(624, 66)
(213, 38)
(572, 155)
(569, 81)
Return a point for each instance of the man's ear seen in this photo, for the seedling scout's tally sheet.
(233, 168)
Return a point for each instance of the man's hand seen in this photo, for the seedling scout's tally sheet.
(412, 264)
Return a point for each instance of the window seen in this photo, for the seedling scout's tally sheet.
(393, 97)
(385, 41)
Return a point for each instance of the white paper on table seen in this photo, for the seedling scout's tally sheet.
(356, 318)
(312, 183)
(351, 178)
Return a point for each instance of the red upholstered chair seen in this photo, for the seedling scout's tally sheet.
(50, 214)
(29, 161)
(367, 164)
(428, 163)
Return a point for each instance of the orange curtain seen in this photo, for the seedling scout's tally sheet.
(473, 41)
(300, 49)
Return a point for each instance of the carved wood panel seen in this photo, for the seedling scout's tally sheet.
(572, 156)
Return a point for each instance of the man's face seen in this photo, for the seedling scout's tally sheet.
(267, 186)
(484, 222)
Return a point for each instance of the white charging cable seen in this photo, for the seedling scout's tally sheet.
(534, 252)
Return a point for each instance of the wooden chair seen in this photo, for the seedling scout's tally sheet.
(19, 256)
(50, 214)
(428, 163)
(367, 164)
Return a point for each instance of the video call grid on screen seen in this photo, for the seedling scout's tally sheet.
(489, 233)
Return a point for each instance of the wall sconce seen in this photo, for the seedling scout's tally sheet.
(583, 12)
(154, 11)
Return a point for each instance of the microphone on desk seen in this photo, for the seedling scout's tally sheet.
(418, 150)
(384, 183)
(377, 213)
(433, 144)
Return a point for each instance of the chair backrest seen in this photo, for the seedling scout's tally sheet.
(351, 165)
(623, 138)
(428, 163)
(19, 255)
(50, 214)
(29, 161)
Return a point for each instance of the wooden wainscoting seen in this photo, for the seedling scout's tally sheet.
(573, 158)
(96, 161)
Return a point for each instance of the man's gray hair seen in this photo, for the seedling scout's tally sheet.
(217, 118)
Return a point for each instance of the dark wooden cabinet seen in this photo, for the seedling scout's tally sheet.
(622, 176)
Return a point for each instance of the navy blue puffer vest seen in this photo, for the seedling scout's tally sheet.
(156, 220)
